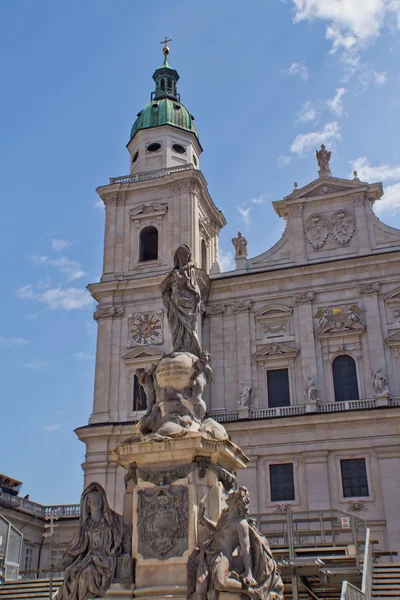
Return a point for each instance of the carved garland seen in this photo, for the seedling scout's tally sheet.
(108, 312)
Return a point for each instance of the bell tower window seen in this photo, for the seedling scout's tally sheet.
(148, 244)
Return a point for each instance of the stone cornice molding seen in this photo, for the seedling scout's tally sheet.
(274, 350)
(108, 312)
(152, 209)
(141, 356)
(115, 198)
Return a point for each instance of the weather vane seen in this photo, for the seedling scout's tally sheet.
(165, 42)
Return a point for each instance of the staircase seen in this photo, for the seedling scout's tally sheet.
(24, 589)
(386, 581)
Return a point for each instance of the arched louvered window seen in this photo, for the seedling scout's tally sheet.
(139, 396)
(203, 255)
(345, 378)
(148, 245)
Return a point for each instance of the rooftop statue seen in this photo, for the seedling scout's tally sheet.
(240, 245)
(181, 297)
(323, 158)
(90, 559)
(236, 558)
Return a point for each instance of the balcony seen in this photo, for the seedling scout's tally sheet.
(302, 409)
(147, 175)
(33, 508)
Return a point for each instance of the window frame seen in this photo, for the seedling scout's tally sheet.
(341, 461)
(357, 376)
(140, 249)
(281, 500)
(275, 460)
(337, 486)
(289, 387)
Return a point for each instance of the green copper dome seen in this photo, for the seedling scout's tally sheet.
(165, 107)
(164, 112)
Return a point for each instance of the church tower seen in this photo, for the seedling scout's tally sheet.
(162, 203)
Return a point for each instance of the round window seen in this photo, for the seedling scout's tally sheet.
(153, 147)
(179, 148)
(135, 156)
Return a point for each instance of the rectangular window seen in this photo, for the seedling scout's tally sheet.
(282, 482)
(354, 477)
(139, 396)
(28, 559)
(278, 388)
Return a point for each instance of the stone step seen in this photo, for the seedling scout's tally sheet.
(385, 581)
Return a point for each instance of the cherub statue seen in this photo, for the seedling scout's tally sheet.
(236, 558)
(323, 158)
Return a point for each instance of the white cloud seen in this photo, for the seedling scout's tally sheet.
(304, 142)
(367, 172)
(51, 427)
(298, 68)
(390, 201)
(71, 268)
(57, 298)
(335, 104)
(36, 364)
(60, 245)
(13, 341)
(82, 356)
(99, 204)
(308, 113)
(31, 316)
(245, 214)
(260, 199)
(282, 161)
(225, 260)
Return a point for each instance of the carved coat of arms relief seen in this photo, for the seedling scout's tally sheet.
(343, 226)
(317, 230)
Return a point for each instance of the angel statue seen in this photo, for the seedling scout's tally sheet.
(90, 558)
(323, 158)
(181, 297)
(235, 559)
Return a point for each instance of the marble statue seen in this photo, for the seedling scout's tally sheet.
(181, 297)
(240, 245)
(310, 391)
(236, 558)
(379, 383)
(90, 559)
(245, 395)
(323, 158)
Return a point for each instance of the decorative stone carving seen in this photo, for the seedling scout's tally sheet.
(215, 309)
(283, 508)
(186, 186)
(323, 157)
(296, 211)
(317, 229)
(343, 226)
(163, 521)
(117, 198)
(379, 383)
(368, 288)
(240, 245)
(236, 558)
(108, 312)
(145, 210)
(274, 349)
(310, 391)
(273, 319)
(145, 328)
(303, 297)
(90, 559)
(241, 306)
(244, 399)
(357, 505)
(165, 476)
(338, 318)
(359, 200)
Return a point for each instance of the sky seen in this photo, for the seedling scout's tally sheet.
(268, 81)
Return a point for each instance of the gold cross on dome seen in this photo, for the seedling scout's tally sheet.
(165, 41)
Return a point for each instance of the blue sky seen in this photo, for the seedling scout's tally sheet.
(268, 81)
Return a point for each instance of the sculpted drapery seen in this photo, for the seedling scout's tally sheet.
(181, 297)
(91, 555)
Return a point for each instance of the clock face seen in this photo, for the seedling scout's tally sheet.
(145, 329)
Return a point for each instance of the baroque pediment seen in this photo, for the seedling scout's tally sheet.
(148, 209)
(142, 355)
(274, 311)
(394, 339)
(325, 186)
(393, 297)
(275, 350)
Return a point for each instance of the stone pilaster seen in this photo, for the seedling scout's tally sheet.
(317, 480)
(303, 301)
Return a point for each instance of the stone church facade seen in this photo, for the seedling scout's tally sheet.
(304, 339)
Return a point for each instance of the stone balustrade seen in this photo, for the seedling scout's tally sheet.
(26, 505)
(147, 175)
(302, 409)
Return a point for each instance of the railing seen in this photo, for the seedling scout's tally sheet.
(150, 174)
(23, 504)
(301, 409)
(312, 533)
(349, 591)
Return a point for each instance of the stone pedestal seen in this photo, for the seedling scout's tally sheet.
(165, 482)
(118, 590)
